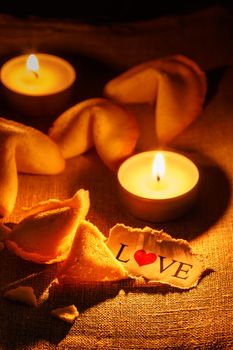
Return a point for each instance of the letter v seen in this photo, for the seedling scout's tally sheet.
(162, 268)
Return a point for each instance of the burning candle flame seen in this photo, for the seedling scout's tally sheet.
(158, 167)
(33, 65)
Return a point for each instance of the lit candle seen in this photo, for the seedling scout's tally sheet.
(38, 85)
(158, 186)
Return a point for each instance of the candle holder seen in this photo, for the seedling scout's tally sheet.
(169, 199)
(38, 94)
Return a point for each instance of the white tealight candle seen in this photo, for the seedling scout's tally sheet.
(158, 186)
(38, 85)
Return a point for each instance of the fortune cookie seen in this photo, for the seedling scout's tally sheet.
(108, 126)
(46, 234)
(23, 149)
(90, 260)
(175, 85)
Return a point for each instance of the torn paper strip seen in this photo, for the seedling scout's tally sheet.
(156, 256)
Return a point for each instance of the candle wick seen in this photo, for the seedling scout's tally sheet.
(35, 74)
(158, 178)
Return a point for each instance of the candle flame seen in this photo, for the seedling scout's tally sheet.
(158, 167)
(33, 65)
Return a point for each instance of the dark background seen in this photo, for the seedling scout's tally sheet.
(98, 12)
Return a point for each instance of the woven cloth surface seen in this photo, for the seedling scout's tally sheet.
(145, 317)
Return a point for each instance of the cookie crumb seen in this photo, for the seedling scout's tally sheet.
(67, 313)
(121, 292)
(23, 294)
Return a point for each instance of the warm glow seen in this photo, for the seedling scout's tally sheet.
(158, 167)
(33, 64)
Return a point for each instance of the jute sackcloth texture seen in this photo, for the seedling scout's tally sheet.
(145, 317)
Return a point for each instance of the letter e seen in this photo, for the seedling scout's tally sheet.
(180, 269)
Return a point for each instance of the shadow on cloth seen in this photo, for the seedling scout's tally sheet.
(22, 324)
(32, 325)
(212, 201)
(106, 209)
(214, 78)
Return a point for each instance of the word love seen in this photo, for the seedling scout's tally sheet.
(156, 256)
(143, 258)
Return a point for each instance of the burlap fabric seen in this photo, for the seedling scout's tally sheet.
(144, 318)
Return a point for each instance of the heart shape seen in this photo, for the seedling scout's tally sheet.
(143, 258)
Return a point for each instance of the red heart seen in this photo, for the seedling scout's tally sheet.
(143, 258)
